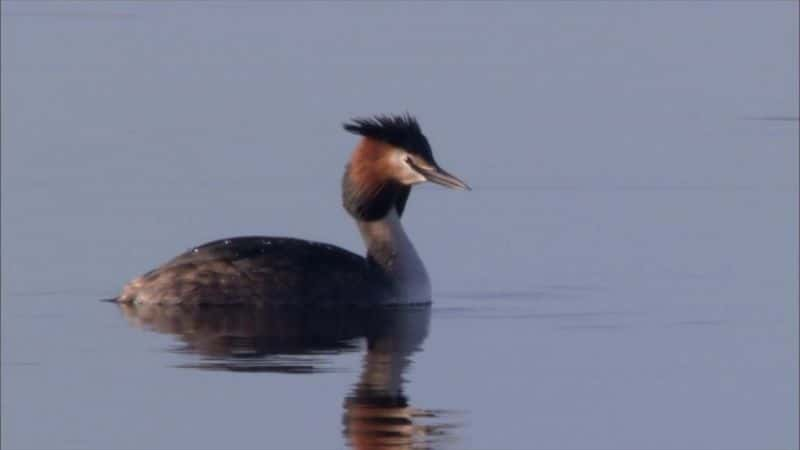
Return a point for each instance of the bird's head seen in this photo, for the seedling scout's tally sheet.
(392, 156)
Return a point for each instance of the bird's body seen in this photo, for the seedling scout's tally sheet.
(258, 269)
(392, 156)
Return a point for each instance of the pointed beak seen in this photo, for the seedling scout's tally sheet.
(440, 176)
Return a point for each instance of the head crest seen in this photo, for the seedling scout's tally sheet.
(401, 131)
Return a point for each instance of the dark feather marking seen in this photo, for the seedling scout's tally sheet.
(401, 131)
(376, 204)
(401, 199)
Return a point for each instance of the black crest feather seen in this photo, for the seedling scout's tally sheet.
(401, 131)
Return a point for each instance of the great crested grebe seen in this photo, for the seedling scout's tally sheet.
(392, 156)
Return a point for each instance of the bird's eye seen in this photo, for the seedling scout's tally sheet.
(408, 160)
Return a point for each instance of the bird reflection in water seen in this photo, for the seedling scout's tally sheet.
(377, 413)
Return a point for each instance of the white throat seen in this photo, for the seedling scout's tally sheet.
(389, 246)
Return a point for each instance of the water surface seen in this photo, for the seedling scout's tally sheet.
(624, 274)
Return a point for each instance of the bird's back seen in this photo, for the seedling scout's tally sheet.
(258, 269)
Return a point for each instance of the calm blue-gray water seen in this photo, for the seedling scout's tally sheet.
(624, 274)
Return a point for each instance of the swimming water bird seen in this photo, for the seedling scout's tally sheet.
(392, 156)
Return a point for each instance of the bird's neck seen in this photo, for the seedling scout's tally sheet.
(390, 249)
(376, 201)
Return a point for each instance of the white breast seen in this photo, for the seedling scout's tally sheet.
(388, 244)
